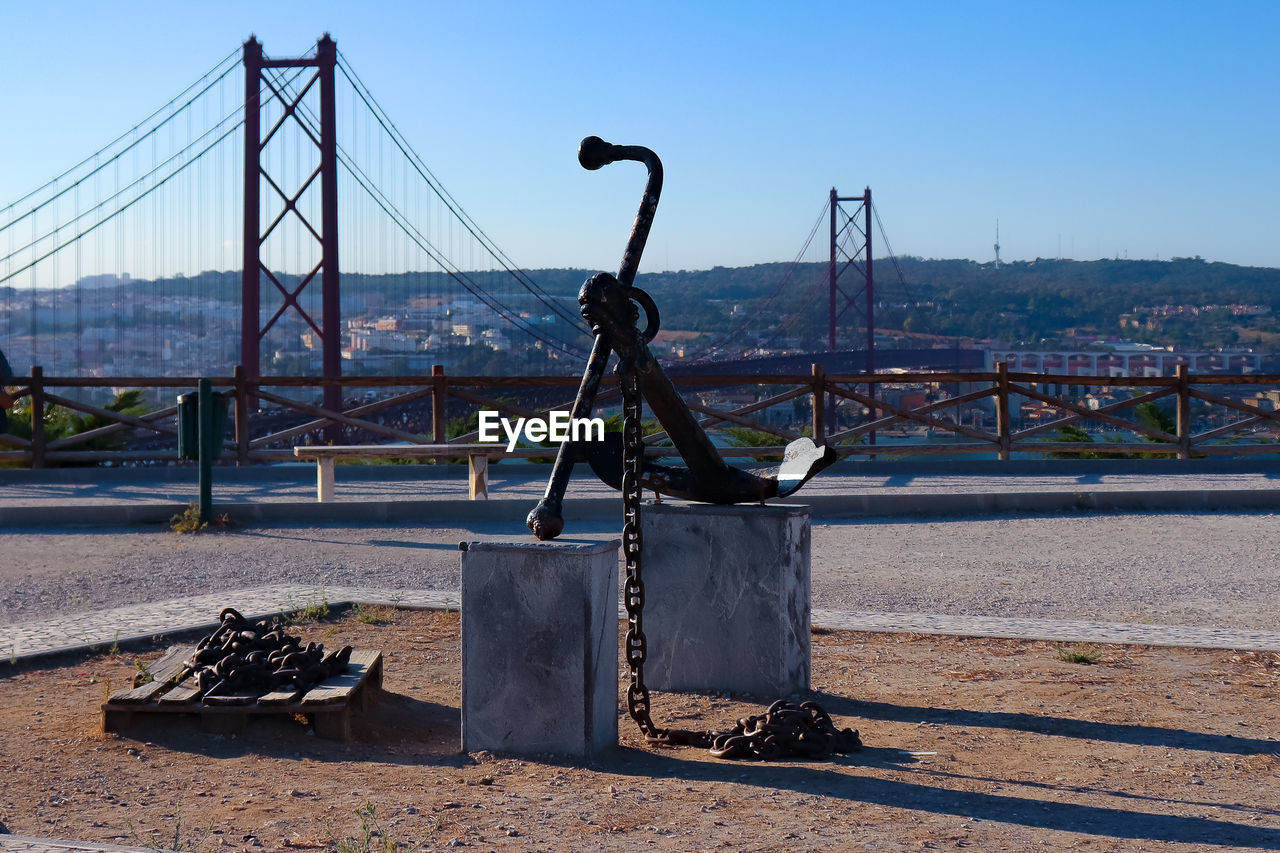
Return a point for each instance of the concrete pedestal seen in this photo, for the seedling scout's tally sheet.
(727, 598)
(540, 647)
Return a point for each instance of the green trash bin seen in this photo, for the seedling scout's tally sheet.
(189, 425)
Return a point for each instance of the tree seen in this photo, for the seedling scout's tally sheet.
(61, 422)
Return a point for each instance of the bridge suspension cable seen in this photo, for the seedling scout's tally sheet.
(213, 76)
(137, 184)
(415, 234)
(144, 185)
(437, 187)
(711, 351)
(66, 260)
(893, 258)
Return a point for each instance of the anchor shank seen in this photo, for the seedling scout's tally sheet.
(594, 153)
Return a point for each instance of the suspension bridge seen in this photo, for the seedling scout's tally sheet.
(212, 231)
(272, 215)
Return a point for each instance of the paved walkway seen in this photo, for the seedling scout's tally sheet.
(140, 622)
(296, 483)
(366, 494)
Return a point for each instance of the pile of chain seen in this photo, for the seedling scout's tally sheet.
(242, 658)
(785, 730)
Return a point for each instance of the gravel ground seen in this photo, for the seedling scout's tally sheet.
(1213, 570)
(1216, 570)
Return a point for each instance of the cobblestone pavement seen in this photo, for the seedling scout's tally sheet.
(1053, 630)
(105, 628)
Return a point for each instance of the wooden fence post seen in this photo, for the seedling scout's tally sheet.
(242, 415)
(37, 416)
(1002, 409)
(819, 404)
(439, 426)
(1184, 413)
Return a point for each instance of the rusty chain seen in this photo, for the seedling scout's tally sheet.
(632, 547)
(786, 730)
(245, 658)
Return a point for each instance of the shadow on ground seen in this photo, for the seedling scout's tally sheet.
(404, 731)
(821, 780)
(1049, 725)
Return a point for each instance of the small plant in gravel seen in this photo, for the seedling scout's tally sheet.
(1086, 656)
(143, 674)
(372, 614)
(188, 521)
(152, 840)
(372, 839)
(314, 611)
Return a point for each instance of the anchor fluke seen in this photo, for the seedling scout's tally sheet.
(800, 461)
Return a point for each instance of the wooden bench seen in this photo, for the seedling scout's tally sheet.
(477, 455)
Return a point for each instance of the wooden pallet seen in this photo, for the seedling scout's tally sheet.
(327, 706)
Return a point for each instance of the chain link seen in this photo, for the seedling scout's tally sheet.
(785, 730)
(244, 658)
(633, 548)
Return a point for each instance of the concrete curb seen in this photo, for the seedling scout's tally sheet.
(338, 512)
(514, 510)
(1110, 500)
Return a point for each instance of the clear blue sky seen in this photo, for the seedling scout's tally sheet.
(1087, 128)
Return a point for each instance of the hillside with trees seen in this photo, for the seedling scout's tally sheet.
(720, 313)
(1184, 302)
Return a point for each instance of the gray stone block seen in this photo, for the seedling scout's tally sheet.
(540, 647)
(727, 598)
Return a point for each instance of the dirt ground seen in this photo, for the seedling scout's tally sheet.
(970, 743)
